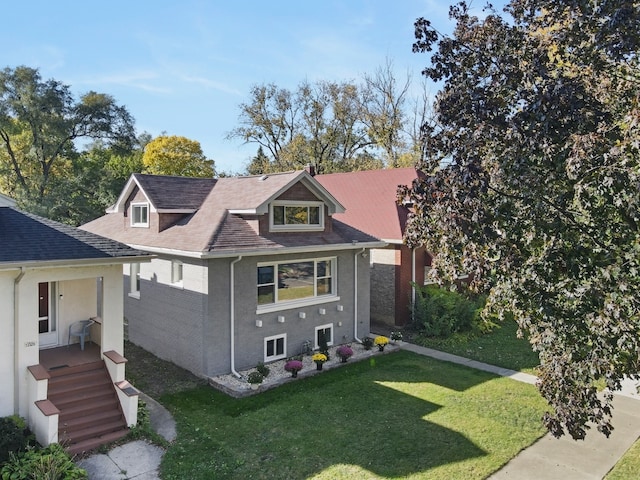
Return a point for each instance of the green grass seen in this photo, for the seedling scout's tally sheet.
(501, 347)
(398, 415)
(628, 466)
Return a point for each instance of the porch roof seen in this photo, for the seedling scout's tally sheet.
(27, 238)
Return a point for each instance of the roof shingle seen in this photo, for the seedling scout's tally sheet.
(222, 222)
(25, 237)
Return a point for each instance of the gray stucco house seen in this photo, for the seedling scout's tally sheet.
(247, 269)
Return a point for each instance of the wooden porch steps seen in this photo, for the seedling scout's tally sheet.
(90, 413)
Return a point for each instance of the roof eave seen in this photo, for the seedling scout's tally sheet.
(286, 250)
(86, 262)
(226, 253)
(118, 207)
(316, 187)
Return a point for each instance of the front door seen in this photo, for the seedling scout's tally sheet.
(47, 324)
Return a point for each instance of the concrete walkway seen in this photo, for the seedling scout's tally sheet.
(550, 458)
(137, 460)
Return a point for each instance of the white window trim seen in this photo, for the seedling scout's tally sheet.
(302, 302)
(140, 224)
(134, 275)
(307, 302)
(322, 327)
(274, 338)
(296, 228)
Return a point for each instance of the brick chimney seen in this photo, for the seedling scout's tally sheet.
(310, 169)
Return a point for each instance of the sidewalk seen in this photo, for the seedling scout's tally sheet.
(550, 458)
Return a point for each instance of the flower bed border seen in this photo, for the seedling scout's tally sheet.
(239, 387)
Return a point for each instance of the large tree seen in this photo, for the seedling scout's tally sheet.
(533, 185)
(40, 121)
(176, 155)
(334, 126)
(385, 113)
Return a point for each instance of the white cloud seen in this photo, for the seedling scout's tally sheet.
(211, 84)
(141, 80)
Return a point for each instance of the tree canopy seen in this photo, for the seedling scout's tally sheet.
(175, 155)
(533, 182)
(39, 123)
(334, 126)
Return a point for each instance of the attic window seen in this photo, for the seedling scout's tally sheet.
(139, 214)
(297, 216)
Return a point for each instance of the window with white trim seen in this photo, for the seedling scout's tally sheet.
(176, 272)
(292, 281)
(134, 280)
(327, 331)
(292, 216)
(139, 214)
(275, 347)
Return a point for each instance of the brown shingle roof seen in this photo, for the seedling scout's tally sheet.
(169, 193)
(222, 221)
(369, 198)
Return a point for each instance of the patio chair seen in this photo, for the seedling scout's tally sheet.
(80, 329)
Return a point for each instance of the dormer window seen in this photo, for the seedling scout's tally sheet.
(139, 214)
(292, 216)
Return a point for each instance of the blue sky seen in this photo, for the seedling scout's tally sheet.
(184, 67)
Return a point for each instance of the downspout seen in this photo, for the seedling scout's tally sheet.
(232, 306)
(355, 295)
(413, 278)
(16, 328)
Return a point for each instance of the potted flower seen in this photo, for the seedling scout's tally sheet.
(255, 378)
(396, 336)
(344, 352)
(293, 366)
(367, 343)
(381, 341)
(319, 359)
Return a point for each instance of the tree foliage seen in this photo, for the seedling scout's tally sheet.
(175, 155)
(533, 185)
(334, 126)
(39, 123)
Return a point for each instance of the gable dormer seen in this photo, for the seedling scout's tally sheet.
(298, 210)
(300, 205)
(157, 202)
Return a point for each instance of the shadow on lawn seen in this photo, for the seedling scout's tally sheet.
(345, 416)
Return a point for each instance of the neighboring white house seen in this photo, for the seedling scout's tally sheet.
(52, 275)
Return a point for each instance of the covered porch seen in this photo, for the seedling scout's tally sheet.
(69, 356)
(51, 301)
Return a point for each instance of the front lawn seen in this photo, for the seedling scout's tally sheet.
(628, 466)
(501, 347)
(395, 415)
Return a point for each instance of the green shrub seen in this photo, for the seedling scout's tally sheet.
(440, 312)
(142, 429)
(49, 463)
(14, 437)
(367, 343)
(255, 377)
(263, 369)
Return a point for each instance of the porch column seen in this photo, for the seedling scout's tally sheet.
(112, 310)
(25, 339)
